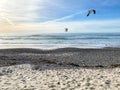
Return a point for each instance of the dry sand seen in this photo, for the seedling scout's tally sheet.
(60, 69)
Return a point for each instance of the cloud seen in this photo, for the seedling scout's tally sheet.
(37, 16)
(66, 17)
(21, 10)
(100, 26)
(58, 27)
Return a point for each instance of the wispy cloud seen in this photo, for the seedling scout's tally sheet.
(29, 10)
(21, 10)
(66, 17)
(7, 19)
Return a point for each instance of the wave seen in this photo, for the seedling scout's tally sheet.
(55, 38)
(74, 39)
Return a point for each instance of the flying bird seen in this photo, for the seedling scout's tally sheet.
(66, 29)
(91, 11)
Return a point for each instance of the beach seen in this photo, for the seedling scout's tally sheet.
(60, 69)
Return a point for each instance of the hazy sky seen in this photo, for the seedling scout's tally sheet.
(39, 16)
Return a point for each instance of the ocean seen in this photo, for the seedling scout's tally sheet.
(62, 40)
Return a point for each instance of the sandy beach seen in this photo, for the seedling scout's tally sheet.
(60, 69)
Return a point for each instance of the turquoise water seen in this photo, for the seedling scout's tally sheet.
(81, 40)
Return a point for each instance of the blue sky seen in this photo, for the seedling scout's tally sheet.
(106, 9)
(52, 16)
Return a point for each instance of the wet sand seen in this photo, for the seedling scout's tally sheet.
(60, 69)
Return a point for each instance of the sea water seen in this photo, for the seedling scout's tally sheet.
(61, 40)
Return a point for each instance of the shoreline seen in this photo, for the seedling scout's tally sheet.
(90, 57)
(54, 46)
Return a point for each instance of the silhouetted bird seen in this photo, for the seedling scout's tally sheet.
(66, 29)
(90, 11)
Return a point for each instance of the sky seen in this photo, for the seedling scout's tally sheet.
(53, 16)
